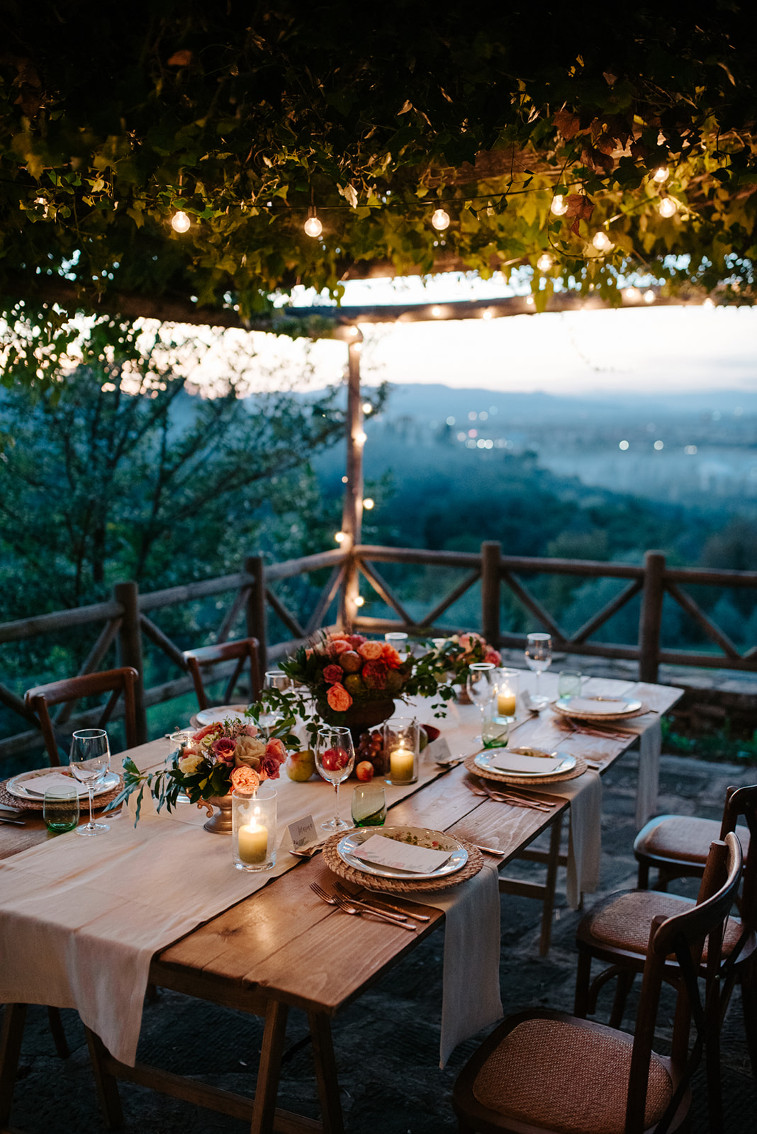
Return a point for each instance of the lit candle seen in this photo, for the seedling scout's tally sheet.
(506, 704)
(253, 842)
(401, 764)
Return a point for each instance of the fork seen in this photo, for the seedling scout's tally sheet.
(380, 904)
(348, 907)
(509, 797)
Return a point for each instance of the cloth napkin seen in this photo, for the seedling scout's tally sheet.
(471, 997)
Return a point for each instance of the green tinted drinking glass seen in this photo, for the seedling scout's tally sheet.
(60, 809)
(368, 805)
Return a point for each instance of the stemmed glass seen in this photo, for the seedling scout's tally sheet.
(334, 759)
(480, 683)
(538, 658)
(89, 762)
(274, 679)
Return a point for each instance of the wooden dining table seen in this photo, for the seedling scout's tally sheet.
(283, 948)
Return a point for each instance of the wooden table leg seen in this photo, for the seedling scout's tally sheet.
(11, 1034)
(325, 1073)
(553, 861)
(264, 1107)
(106, 1084)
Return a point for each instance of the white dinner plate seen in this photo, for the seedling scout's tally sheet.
(524, 762)
(21, 786)
(597, 708)
(221, 713)
(418, 836)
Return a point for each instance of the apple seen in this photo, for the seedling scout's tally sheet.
(301, 765)
(364, 771)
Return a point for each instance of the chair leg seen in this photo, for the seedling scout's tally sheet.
(643, 879)
(748, 981)
(59, 1036)
(548, 905)
(622, 988)
(583, 981)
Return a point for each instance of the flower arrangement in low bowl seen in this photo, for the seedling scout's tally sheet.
(223, 756)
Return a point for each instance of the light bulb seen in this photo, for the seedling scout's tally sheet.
(440, 219)
(313, 226)
(359, 601)
(436, 312)
(180, 222)
(367, 408)
(632, 294)
(369, 503)
(558, 206)
(487, 313)
(667, 207)
(601, 241)
(545, 262)
(649, 296)
(361, 437)
(661, 175)
(340, 537)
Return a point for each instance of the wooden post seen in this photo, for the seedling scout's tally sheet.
(490, 565)
(130, 649)
(255, 612)
(352, 511)
(650, 620)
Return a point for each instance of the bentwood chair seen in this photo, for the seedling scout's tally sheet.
(676, 845)
(544, 1072)
(614, 933)
(117, 682)
(243, 650)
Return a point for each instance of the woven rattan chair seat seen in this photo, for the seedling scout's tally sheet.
(551, 1073)
(685, 837)
(624, 922)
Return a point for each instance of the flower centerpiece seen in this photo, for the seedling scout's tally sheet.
(221, 757)
(347, 679)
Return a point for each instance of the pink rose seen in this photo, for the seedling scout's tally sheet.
(244, 779)
(492, 656)
(223, 749)
(338, 698)
(249, 730)
(371, 651)
(275, 749)
(356, 640)
(374, 674)
(333, 673)
(269, 767)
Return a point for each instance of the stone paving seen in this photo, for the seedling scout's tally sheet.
(387, 1042)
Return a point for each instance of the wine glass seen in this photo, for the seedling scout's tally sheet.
(89, 762)
(480, 683)
(334, 759)
(269, 716)
(538, 658)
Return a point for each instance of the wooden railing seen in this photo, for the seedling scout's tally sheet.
(124, 628)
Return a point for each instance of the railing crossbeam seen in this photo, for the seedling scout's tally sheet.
(91, 662)
(285, 615)
(381, 587)
(451, 598)
(162, 641)
(606, 613)
(535, 607)
(693, 609)
(325, 600)
(236, 608)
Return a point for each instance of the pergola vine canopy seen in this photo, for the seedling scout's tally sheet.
(246, 117)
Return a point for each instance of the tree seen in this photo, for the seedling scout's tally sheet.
(117, 471)
(245, 117)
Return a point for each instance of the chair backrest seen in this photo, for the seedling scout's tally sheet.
(243, 650)
(117, 682)
(683, 936)
(741, 804)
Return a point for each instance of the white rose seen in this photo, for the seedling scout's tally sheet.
(190, 763)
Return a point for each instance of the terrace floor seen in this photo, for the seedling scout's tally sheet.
(387, 1042)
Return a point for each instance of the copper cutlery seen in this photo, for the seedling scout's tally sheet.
(353, 907)
(379, 902)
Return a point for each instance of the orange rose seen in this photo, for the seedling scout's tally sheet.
(371, 651)
(245, 779)
(338, 698)
(390, 656)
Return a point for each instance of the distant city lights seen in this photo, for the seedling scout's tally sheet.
(624, 445)
(690, 450)
(659, 445)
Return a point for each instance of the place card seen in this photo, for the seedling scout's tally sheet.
(437, 751)
(302, 832)
(383, 851)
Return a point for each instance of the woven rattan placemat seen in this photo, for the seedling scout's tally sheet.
(396, 885)
(99, 802)
(523, 781)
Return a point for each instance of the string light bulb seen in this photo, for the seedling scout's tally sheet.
(649, 296)
(559, 206)
(667, 207)
(601, 241)
(313, 226)
(440, 219)
(359, 601)
(340, 537)
(369, 503)
(661, 175)
(180, 222)
(545, 261)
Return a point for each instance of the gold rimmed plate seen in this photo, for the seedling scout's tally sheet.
(525, 763)
(416, 836)
(22, 786)
(598, 708)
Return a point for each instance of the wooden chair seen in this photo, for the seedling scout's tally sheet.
(117, 682)
(243, 650)
(542, 1072)
(676, 845)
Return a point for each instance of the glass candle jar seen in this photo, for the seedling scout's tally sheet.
(253, 838)
(401, 750)
(506, 694)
